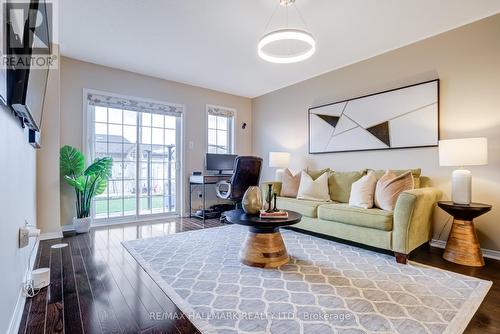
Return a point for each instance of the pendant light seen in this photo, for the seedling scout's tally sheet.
(286, 45)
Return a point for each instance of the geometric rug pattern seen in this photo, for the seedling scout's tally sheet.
(327, 287)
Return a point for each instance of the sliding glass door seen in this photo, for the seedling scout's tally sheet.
(144, 146)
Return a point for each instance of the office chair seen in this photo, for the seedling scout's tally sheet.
(246, 173)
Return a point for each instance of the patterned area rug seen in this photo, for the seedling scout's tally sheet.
(327, 287)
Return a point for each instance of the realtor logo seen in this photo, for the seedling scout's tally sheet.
(27, 34)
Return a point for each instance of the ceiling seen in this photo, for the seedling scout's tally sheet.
(212, 43)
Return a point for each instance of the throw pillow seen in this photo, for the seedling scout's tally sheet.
(290, 185)
(314, 190)
(317, 173)
(389, 187)
(339, 184)
(363, 191)
(415, 172)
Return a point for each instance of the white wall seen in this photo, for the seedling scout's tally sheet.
(17, 204)
(467, 60)
(77, 75)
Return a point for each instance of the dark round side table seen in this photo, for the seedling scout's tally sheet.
(264, 247)
(463, 246)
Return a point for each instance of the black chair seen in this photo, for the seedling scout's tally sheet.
(246, 174)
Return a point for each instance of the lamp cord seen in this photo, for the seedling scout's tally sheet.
(300, 16)
(271, 18)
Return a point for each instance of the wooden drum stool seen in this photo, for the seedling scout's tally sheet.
(264, 246)
(463, 246)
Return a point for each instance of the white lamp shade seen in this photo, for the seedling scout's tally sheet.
(279, 159)
(463, 152)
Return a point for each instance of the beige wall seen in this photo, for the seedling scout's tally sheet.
(77, 75)
(47, 159)
(467, 60)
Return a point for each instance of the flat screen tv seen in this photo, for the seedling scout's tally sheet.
(26, 84)
(219, 162)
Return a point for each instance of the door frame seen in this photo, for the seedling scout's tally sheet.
(180, 163)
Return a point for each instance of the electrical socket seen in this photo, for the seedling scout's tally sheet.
(24, 236)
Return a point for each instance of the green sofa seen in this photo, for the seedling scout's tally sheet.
(401, 231)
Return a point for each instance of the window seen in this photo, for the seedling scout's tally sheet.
(142, 138)
(220, 134)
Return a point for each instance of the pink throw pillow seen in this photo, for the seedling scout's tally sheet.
(388, 188)
(290, 184)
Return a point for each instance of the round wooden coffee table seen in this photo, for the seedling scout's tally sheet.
(264, 246)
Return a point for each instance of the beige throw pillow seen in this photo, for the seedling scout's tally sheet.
(388, 188)
(314, 190)
(363, 191)
(290, 185)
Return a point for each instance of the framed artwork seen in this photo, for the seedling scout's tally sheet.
(406, 117)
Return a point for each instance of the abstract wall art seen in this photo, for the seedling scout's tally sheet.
(406, 117)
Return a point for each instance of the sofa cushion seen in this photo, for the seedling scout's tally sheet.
(315, 173)
(304, 207)
(343, 213)
(339, 184)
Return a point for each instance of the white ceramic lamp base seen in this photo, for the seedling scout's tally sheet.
(461, 186)
(279, 174)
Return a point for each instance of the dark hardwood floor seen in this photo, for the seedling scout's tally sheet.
(97, 287)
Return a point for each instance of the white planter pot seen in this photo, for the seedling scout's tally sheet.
(82, 225)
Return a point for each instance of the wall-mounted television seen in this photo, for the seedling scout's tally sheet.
(28, 38)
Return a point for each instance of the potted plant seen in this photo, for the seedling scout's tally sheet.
(87, 182)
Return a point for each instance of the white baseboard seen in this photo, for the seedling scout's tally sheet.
(15, 321)
(67, 228)
(51, 235)
(489, 253)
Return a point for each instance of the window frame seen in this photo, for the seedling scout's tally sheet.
(231, 135)
(88, 138)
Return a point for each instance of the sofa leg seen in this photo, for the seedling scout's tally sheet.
(401, 258)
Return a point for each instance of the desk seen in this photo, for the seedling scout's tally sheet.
(203, 180)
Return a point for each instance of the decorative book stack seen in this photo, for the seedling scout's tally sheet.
(274, 214)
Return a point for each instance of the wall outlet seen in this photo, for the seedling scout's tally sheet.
(24, 236)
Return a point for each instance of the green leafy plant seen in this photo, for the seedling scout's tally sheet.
(87, 182)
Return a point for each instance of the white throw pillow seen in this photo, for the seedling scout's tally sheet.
(363, 191)
(315, 190)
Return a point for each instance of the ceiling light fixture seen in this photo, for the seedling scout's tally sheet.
(286, 45)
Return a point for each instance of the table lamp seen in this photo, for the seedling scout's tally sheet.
(279, 160)
(462, 152)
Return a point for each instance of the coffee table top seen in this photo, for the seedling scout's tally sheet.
(241, 218)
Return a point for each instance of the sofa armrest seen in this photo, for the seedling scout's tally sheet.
(413, 218)
(276, 188)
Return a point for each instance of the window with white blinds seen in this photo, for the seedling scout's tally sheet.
(220, 130)
(143, 138)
